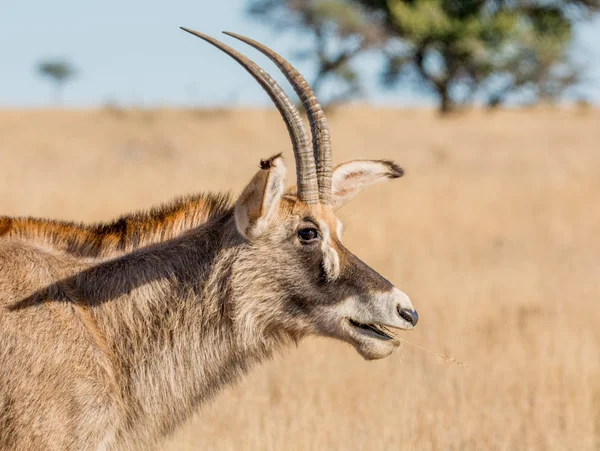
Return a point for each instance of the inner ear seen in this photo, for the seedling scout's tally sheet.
(350, 178)
(258, 203)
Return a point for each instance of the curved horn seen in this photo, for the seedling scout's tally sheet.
(306, 174)
(314, 111)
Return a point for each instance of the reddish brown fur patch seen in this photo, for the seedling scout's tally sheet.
(343, 192)
(317, 211)
(5, 224)
(122, 235)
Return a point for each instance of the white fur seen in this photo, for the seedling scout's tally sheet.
(402, 299)
(340, 229)
(331, 259)
(381, 308)
(350, 178)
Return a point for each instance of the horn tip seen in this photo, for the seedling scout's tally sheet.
(189, 30)
(197, 33)
(231, 33)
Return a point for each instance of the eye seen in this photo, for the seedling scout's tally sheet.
(308, 234)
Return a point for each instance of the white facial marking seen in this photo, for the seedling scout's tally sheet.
(331, 259)
(340, 229)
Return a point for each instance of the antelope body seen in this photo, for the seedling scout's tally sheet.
(112, 335)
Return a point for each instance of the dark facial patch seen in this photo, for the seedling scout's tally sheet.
(311, 288)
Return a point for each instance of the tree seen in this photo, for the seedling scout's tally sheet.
(490, 48)
(59, 72)
(339, 31)
(460, 49)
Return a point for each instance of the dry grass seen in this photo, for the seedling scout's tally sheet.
(494, 232)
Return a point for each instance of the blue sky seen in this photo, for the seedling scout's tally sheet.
(133, 53)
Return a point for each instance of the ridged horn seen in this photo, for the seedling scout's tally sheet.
(314, 111)
(306, 174)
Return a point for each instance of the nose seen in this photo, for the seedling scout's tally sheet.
(410, 316)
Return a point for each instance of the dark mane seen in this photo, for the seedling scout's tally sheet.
(125, 234)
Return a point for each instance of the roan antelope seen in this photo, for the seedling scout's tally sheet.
(112, 335)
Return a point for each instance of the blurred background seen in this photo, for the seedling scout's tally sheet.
(449, 53)
(490, 106)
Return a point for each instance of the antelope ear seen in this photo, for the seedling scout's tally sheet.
(350, 178)
(258, 203)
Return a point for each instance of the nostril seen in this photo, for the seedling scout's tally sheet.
(410, 316)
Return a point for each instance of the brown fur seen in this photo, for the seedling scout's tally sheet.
(101, 333)
(123, 235)
(112, 335)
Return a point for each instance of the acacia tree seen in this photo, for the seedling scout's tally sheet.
(457, 49)
(337, 32)
(59, 72)
(491, 48)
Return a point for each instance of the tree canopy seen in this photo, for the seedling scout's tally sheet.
(339, 30)
(457, 49)
(59, 72)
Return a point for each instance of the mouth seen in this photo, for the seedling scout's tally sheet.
(373, 330)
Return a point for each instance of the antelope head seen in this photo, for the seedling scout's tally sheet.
(317, 285)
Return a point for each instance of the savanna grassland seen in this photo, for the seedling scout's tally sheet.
(494, 232)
